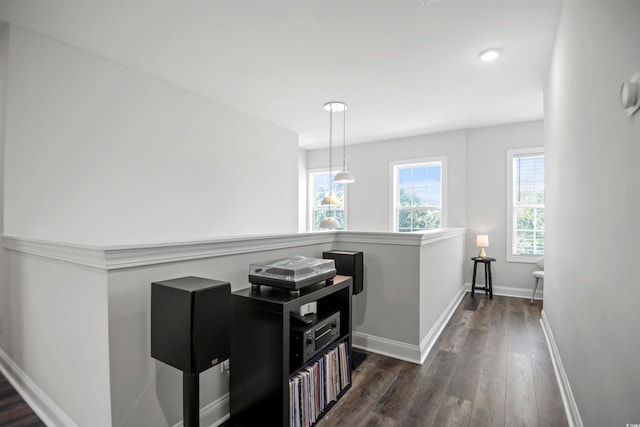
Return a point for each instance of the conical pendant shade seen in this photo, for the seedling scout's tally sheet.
(331, 200)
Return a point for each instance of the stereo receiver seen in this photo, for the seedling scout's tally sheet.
(309, 340)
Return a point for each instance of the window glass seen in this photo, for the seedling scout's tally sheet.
(322, 185)
(527, 204)
(417, 199)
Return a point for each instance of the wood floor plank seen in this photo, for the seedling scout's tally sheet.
(470, 304)
(454, 412)
(432, 354)
(517, 336)
(489, 403)
(345, 413)
(457, 334)
(520, 405)
(443, 364)
(14, 411)
(423, 409)
(494, 358)
(482, 318)
(494, 365)
(548, 398)
(464, 380)
(532, 321)
(381, 373)
(376, 420)
(396, 397)
(476, 341)
(9, 399)
(498, 318)
(496, 344)
(516, 304)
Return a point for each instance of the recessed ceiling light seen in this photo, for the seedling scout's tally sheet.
(489, 55)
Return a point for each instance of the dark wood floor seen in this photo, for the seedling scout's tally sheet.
(490, 367)
(14, 412)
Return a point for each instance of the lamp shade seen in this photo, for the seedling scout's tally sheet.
(331, 200)
(329, 223)
(344, 177)
(482, 241)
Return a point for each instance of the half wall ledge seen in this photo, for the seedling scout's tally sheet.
(113, 257)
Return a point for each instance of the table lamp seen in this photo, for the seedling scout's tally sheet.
(482, 241)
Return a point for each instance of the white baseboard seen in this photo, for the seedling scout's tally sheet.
(387, 347)
(408, 352)
(430, 339)
(507, 291)
(40, 403)
(570, 406)
(213, 414)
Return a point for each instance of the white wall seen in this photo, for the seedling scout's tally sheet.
(4, 285)
(368, 199)
(97, 152)
(302, 190)
(592, 152)
(487, 196)
(389, 305)
(441, 277)
(57, 334)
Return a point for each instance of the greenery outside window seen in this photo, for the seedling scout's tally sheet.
(418, 188)
(320, 185)
(526, 209)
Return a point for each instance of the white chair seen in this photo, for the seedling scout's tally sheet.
(538, 275)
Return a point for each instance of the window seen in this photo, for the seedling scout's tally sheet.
(525, 211)
(320, 183)
(418, 189)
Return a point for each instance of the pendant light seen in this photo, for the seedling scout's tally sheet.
(344, 176)
(329, 222)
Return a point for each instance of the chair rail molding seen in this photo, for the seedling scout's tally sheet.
(113, 257)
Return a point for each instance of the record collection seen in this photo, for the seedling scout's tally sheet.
(318, 384)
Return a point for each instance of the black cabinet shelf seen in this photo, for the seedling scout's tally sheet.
(261, 362)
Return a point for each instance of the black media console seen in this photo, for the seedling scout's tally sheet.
(266, 376)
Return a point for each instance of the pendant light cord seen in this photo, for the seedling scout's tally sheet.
(344, 139)
(330, 159)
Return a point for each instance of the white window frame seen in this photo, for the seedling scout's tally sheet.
(310, 198)
(393, 188)
(511, 154)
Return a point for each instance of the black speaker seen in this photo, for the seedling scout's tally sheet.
(190, 322)
(349, 263)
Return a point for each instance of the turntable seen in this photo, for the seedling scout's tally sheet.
(292, 273)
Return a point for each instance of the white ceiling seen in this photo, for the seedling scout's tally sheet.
(404, 67)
